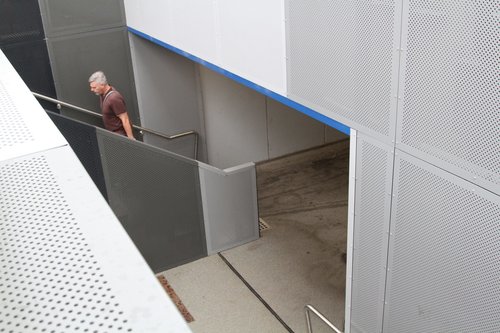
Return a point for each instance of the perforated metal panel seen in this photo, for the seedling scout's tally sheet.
(371, 224)
(444, 264)
(68, 17)
(20, 21)
(450, 114)
(75, 57)
(156, 196)
(31, 61)
(230, 206)
(342, 60)
(50, 280)
(14, 129)
(82, 138)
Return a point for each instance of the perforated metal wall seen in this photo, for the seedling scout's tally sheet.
(68, 17)
(342, 60)
(31, 61)
(156, 196)
(83, 140)
(22, 40)
(49, 278)
(371, 224)
(20, 21)
(230, 206)
(450, 114)
(14, 129)
(444, 253)
(107, 50)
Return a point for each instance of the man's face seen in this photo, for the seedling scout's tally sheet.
(97, 88)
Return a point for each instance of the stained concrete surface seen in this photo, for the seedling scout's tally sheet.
(217, 299)
(299, 261)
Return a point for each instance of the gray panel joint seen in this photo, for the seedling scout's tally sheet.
(373, 195)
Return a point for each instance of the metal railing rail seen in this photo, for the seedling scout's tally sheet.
(60, 104)
(309, 308)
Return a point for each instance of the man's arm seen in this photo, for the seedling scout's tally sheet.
(126, 124)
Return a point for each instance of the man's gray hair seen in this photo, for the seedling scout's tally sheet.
(98, 77)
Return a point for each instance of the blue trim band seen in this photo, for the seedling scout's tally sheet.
(280, 98)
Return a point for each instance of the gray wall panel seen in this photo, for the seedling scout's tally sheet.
(290, 131)
(450, 113)
(343, 60)
(168, 96)
(235, 121)
(22, 40)
(230, 207)
(75, 57)
(156, 196)
(62, 17)
(183, 146)
(243, 125)
(444, 271)
(372, 204)
(332, 135)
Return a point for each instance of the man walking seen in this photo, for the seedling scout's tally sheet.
(114, 113)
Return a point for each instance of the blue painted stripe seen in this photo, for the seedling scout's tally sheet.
(280, 98)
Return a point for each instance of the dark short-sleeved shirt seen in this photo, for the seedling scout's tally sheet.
(113, 104)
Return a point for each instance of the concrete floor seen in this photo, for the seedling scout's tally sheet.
(298, 261)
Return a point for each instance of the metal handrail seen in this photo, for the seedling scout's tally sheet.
(60, 104)
(309, 308)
